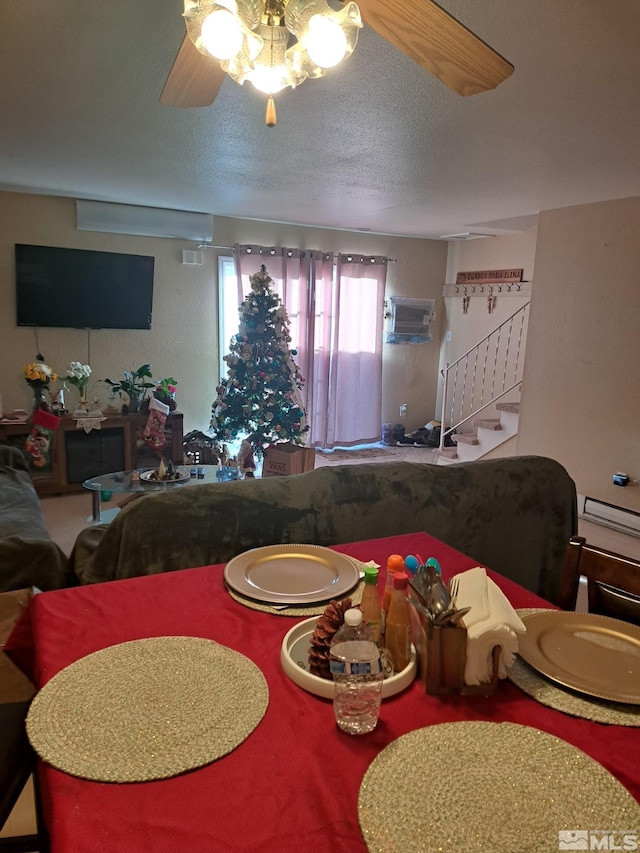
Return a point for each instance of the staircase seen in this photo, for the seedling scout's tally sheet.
(482, 383)
(485, 435)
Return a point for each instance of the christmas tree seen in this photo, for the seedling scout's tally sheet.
(261, 395)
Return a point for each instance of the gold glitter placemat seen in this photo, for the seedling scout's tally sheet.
(147, 709)
(483, 788)
(562, 699)
(303, 610)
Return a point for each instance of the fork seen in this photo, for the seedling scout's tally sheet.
(453, 591)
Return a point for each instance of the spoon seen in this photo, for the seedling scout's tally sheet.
(440, 598)
(450, 617)
(421, 608)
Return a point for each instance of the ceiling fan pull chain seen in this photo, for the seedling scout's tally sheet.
(270, 116)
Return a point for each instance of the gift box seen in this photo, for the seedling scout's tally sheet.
(281, 460)
(14, 686)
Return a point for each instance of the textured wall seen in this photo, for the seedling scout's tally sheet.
(581, 389)
(184, 341)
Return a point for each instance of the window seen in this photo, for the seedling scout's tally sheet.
(228, 319)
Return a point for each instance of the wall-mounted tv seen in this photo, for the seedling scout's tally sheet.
(81, 289)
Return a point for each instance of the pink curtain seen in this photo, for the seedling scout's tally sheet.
(353, 369)
(336, 320)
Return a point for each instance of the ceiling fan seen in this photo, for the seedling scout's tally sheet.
(421, 29)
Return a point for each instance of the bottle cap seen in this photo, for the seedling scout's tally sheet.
(353, 617)
(395, 563)
(370, 574)
(400, 580)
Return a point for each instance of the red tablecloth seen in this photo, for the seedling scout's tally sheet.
(293, 784)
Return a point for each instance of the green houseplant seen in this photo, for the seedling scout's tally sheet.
(134, 384)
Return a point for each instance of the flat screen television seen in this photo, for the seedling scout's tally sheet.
(81, 289)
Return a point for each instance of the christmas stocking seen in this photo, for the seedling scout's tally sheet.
(37, 444)
(153, 432)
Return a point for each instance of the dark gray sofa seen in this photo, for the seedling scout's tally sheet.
(28, 557)
(514, 515)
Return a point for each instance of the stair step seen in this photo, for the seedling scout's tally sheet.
(465, 438)
(447, 453)
(508, 407)
(487, 423)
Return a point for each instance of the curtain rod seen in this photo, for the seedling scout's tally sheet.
(230, 249)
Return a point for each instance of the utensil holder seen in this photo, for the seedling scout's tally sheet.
(442, 656)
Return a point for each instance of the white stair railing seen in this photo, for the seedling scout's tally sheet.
(484, 374)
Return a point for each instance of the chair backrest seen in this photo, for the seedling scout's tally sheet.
(613, 581)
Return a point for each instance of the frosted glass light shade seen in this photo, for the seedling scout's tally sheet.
(326, 35)
(271, 73)
(221, 34)
(326, 41)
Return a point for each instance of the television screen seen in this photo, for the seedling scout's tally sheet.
(80, 289)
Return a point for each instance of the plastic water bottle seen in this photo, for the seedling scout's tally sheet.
(357, 675)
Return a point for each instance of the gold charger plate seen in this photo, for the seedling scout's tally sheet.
(483, 787)
(291, 574)
(592, 654)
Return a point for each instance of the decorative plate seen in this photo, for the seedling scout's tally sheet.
(592, 654)
(291, 574)
(152, 477)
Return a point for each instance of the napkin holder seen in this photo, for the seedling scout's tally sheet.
(442, 656)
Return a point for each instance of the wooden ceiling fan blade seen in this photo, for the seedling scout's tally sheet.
(194, 79)
(438, 42)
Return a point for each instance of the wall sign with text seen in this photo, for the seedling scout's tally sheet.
(489, 277)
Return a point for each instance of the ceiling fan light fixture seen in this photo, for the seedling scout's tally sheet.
(250, 38)
(421, 29)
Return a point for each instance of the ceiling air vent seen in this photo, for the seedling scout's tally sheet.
(466, 235)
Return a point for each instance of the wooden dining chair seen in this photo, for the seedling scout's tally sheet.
(17, 758)
(613, 581)
(17, 763)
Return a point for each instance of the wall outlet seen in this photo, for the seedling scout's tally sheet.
(403, 411)
(447, 337)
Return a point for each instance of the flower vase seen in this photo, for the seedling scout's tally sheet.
(134, 404)
(82, 405)
(39, 398)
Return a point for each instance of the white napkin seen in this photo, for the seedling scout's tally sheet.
(492, 621)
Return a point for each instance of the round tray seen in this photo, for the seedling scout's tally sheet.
(294, 656)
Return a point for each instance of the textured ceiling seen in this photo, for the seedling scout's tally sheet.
(379, 144)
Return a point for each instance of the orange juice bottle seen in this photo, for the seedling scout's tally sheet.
(370, 605)
(398, 624)
(395, 563)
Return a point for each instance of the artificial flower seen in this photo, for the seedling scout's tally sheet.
(78, 374)
(39, 375)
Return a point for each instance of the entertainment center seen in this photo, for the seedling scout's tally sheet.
(76, 455)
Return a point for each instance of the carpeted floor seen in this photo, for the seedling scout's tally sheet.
(363, 453)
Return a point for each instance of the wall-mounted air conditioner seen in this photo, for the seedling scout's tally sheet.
(143, 221)
(409, 320)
